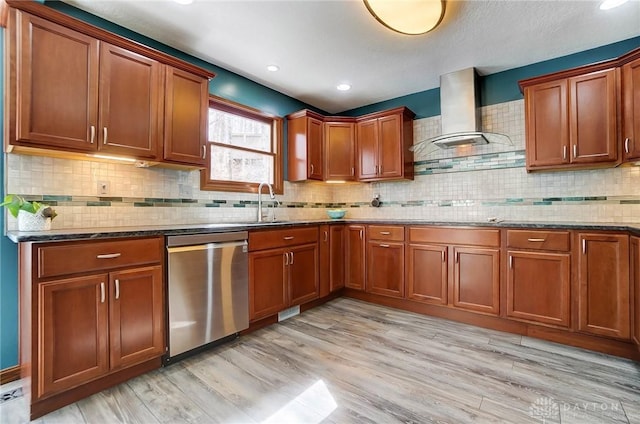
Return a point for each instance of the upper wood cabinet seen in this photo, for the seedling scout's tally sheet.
(305, 146)
(78, 89)
(631, 109)
(186, 112)
(369, 148)
(340, 150)
(383, 140)
(571, 122)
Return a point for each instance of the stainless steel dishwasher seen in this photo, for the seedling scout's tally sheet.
(208, 289)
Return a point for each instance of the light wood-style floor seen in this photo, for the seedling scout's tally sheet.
(354, 362)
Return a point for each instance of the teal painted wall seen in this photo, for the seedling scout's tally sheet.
(502, 86)
(8, 269)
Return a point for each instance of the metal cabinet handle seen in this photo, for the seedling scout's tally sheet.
(291, 258)
(204, 152)
(584, 246)
(288, 238)
(311, 168)
(104, 133)
(93, 133)
(353, 171)
(360, 234)
(102, 292)
(377, 167)
(326, 236)
(510, 261)
(626, 145)
(385, 233)
(117, 289)
(457, 257)
(575, 151)
(564, 152)
(286, 258)
(443, 257)
(540, 240)
(109, 256)
(384, 245)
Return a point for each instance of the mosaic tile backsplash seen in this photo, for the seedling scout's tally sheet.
(463, 184)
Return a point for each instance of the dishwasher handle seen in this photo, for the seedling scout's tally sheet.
(208, 246)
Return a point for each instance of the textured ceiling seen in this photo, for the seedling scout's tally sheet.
(319, 44)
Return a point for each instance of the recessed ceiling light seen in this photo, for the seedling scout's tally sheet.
(273, 68)
(343, 87)
(610, 4)
(183, 1)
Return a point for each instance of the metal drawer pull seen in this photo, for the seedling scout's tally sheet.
(626, 145)
(93, 133)
(288, 238)
(384, 245)
(117, 289)
(536, 239)
(385, 233)
(104, 131)
(101, 292)
(109, 256)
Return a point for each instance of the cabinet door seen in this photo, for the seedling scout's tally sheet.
(303, 274)
(592, 106)
(57, 89)
(136, 326)
(476, 284)
(324, 255)
(267, 283)
(635, 278)
(367, 149)
(340, 151)
(337, 240)
(72, 319)
(538, 287)
(355, 257)
(390, 146)
(314, 147)
(603, 276)
(631, 110)
(427, 273)
(130, 107)
(186, 111)
(385, 268)
(546, 113)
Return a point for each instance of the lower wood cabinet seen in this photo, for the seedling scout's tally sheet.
(427, 273)
(94, 316)
(385, 268)
(476, 282)
(355, 257)
(539, 287)
(635, 278)
(284, 275)
(332, 255)
(603, 279)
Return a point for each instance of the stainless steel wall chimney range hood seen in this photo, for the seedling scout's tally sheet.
(460, 114)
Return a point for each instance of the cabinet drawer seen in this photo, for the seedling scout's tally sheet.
(386, 232)
(270, 239)
(466, 236)
(539, 240)
(57, 259)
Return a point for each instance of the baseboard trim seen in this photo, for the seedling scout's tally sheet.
(8, 375)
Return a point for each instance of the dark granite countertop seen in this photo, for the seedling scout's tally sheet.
(180, 229)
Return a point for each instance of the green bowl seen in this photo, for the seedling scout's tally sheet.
(336, 213)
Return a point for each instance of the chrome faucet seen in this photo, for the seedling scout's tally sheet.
(271, 195)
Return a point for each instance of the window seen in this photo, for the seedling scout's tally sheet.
(244, 149)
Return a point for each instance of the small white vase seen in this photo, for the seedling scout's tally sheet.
(33, 221)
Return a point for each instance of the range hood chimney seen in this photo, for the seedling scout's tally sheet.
(460, 114)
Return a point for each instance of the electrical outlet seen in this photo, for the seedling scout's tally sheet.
(103, 187)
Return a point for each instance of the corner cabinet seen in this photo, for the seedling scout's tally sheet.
(340, 150)
(96, 314)
(383, 140)
(571, 122)
(631, 109)
(603, 279)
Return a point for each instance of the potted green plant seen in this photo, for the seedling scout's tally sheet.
(31, 215)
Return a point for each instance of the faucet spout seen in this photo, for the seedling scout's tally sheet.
(271, 195)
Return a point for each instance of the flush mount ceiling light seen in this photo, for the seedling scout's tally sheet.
(610, 4)
(343, 87)
(412, 17)
(273, 68)
(183, 1)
